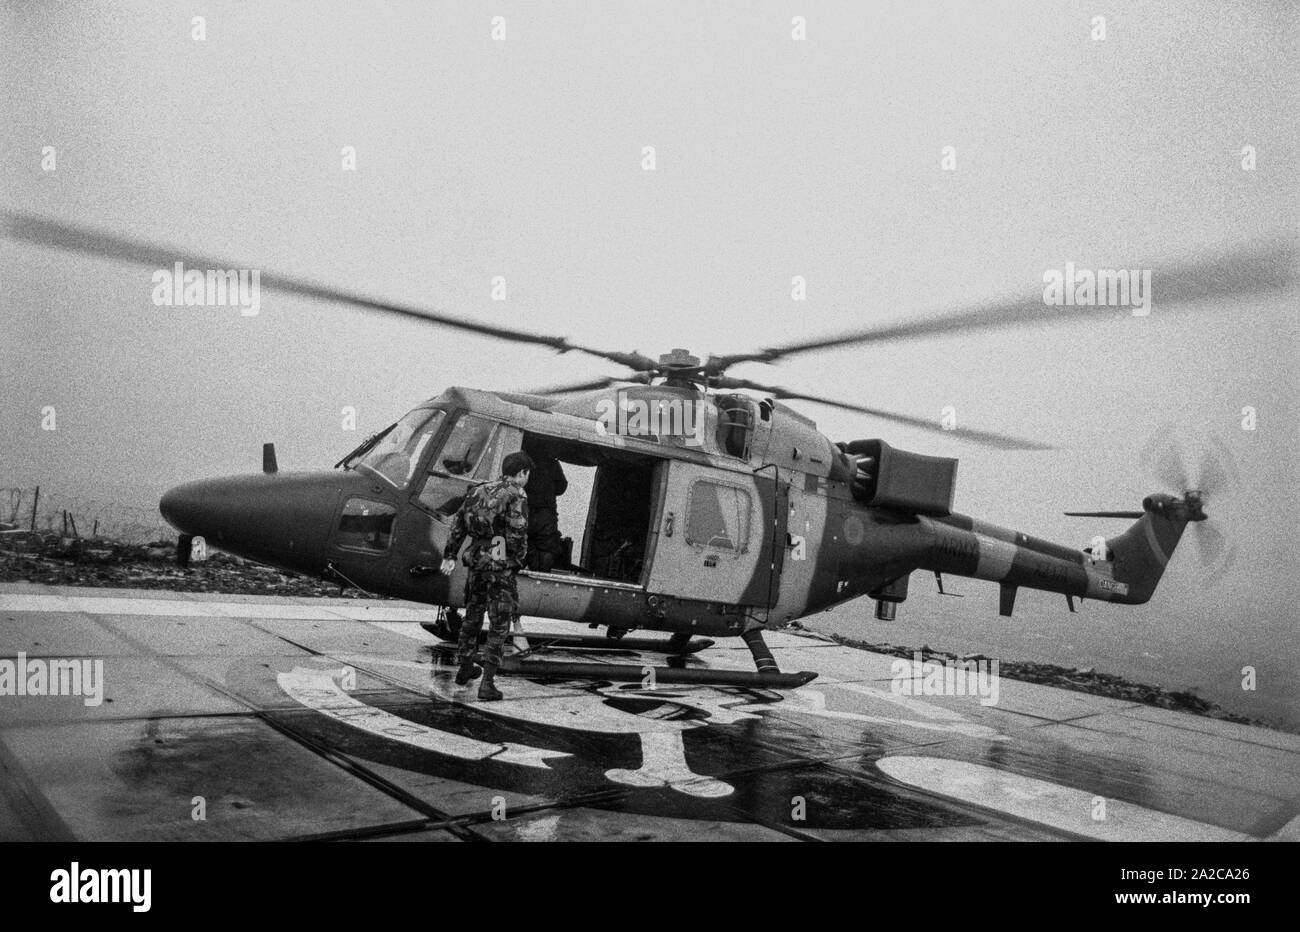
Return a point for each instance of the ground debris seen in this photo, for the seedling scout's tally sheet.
(44, 557)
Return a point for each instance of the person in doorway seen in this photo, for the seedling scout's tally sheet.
(545, 484)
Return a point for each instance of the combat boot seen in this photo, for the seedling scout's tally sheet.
(487, 690)
(468, 670)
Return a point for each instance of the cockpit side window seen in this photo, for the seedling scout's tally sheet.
(397, 454)
(366, 525)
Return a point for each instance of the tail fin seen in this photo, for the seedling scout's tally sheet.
(1141, 553)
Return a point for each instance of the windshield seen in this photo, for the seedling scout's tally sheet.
(397, 452)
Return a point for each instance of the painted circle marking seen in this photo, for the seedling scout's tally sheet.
(854, 532)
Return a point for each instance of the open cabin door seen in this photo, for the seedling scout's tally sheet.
(721, 536)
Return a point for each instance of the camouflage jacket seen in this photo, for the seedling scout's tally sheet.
(494, 516)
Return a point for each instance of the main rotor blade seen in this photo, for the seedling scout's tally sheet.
(1266, 266)
(1105, 514)
(41, 232)
(635, 378)
(987, 438)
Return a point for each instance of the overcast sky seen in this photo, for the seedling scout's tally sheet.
(775, 158)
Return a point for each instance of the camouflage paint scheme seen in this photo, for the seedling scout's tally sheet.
(811, 546)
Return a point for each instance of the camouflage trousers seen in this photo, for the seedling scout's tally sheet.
(492, 591)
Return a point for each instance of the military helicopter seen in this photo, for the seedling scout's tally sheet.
(713, 512)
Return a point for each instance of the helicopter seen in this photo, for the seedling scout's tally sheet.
(716, 510)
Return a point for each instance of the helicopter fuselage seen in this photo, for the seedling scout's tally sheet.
(751, 518)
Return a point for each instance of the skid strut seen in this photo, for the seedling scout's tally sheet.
(762, 654)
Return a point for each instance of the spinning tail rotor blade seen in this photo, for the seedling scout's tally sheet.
(1212, 543)
(1217, 470)
(1170, 469)
(1214, 480)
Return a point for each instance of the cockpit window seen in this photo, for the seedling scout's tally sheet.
(397, 453)
(469, 455)
(465, 447)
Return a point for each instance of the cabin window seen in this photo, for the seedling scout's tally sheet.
(366, 525)
(718, 516)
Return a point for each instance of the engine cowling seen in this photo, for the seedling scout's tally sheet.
(890, 478)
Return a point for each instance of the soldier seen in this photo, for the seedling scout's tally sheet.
(494, 517)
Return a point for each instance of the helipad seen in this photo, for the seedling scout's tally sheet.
(237, 717)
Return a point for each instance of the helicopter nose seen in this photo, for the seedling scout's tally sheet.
(182, 507)
(278, 519)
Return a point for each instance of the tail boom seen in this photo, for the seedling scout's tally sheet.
(1127, 572)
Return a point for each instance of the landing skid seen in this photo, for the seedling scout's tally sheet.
(584, 642)
(628, 673)
(538, 639)
(768, 675)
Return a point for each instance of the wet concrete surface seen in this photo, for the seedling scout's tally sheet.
(227, 717)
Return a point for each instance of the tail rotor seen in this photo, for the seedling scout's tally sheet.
(1142, 552)
(1213, 481)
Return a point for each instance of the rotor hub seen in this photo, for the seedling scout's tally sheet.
(1188, 508)
(1194, 503)
(679, 359)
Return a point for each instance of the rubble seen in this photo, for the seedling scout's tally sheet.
(47, 557)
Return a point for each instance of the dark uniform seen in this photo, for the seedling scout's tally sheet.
(545, 483)
(495, 519)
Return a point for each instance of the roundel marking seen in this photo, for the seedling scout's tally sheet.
(854, 532)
